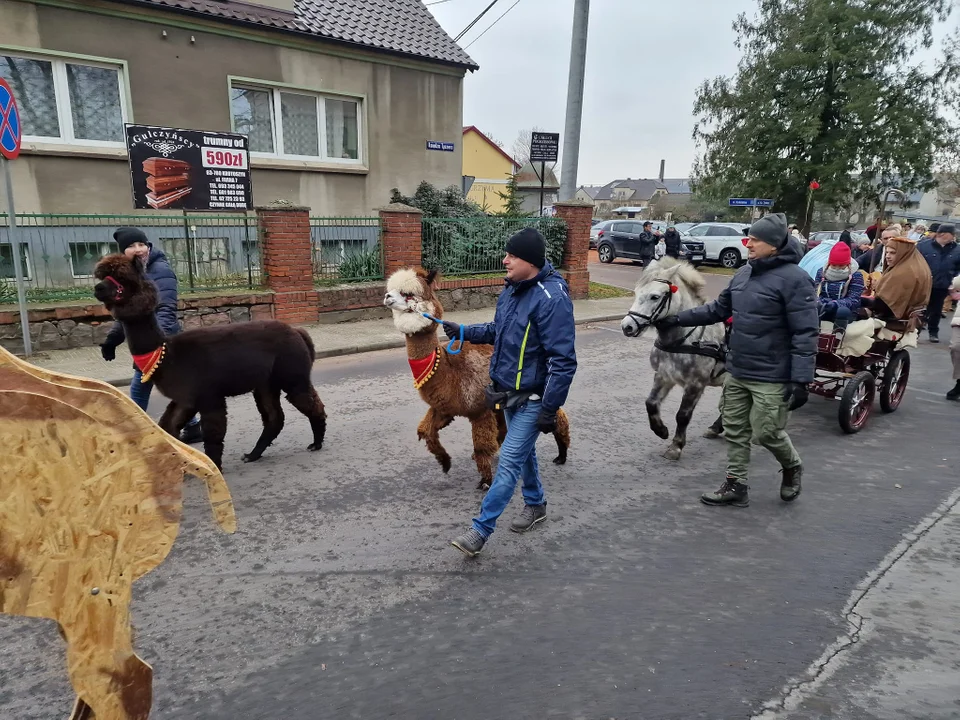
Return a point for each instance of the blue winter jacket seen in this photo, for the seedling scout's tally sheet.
(533, 337)
(163, 276)
(944, 261)
(846, 293)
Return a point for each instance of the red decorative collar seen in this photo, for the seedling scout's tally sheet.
(149, 362)
(424, 368)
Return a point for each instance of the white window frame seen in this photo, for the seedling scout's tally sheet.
(71, 243)
(275, 90)
(59, 62)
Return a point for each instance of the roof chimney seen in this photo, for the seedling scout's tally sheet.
(663, 165)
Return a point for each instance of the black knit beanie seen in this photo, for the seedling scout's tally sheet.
(529, 245)
(127, 236)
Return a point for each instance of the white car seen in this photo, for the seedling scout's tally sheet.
(722, 242)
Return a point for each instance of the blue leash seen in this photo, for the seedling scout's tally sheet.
(450, 345)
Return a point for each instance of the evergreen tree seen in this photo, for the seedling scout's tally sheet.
(827, 91)
(513, 200)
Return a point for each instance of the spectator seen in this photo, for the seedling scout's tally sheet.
(672, 242)
(648, 243)
(134, 244)
(943, 256)
(839, 287)
(846, 238)
(955, 341)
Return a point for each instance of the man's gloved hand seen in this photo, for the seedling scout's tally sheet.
(795, 395)
(108, 351)
(667, 323)
(451, 329)
(547, 422)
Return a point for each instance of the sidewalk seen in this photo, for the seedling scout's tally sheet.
(330, 340)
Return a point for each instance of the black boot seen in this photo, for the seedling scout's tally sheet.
(790, 485)
(732, 492)
(955, 393)
(191, 434)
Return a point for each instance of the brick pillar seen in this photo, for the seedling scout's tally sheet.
(287, 257)
(400, 234)
(576, 251)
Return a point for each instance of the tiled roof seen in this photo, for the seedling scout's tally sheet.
(591, 190)
(677, 185)
(642, 189)
(404, 27)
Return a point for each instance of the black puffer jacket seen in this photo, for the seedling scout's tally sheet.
(648, 246)
(672, 240)
(775, 320)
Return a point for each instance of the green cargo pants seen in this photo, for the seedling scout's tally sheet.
(755, 410)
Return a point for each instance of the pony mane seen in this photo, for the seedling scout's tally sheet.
(678, 272)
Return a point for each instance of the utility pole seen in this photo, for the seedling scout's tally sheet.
(571, 133)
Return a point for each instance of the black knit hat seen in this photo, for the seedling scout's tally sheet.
(127, 236)
(934, 227)
(529, 245)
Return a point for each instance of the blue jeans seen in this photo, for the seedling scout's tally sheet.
(140, 393)
(840, 316)
(518, 457)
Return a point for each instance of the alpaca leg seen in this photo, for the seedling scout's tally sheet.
(485, 446)
(174, 418)
(562, 436)
(308, 402)
(108, 677)
(429, 430)
(691, 396)
(213, 424)
(268, 403)
(661, 387)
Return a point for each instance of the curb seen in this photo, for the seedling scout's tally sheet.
(380, 345)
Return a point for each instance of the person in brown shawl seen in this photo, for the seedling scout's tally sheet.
(905, 285)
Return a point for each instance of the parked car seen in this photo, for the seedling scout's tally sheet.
(622, 240)
(598, 231)
(723, 243)
(595, 221)
(684, 227)
(824, 235)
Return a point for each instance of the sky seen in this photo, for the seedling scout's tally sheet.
(645, 61)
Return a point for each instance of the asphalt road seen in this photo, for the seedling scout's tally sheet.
(624, 274)
(340, 596)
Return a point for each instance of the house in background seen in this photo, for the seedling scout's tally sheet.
(626, 193)
(528, 183)
(490, 166)
(339, 98)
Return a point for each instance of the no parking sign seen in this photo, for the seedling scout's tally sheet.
(9, 123)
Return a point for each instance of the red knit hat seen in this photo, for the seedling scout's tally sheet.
(840, 255)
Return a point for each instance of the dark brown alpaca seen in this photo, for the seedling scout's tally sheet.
(199, 369)
(454, 383)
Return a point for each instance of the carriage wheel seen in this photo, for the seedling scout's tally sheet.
(856, 402)
(895, 377)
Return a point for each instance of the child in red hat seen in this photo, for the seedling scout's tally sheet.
(839, 287)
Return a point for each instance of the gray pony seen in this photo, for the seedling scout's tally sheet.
(692, 358)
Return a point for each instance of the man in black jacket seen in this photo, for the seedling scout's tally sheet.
(772, 355)
(648, 243)
(943, 256)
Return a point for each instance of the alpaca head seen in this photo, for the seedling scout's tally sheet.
(123, 286)
(410, 294)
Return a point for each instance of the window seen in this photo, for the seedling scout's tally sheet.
(287, 123)
(699, 230)
(6, 262)
(85, 255)
(67, 101)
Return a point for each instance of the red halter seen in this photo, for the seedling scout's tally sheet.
(116, 284)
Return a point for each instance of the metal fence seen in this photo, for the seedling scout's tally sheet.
(59, 252)
(346, 249)
(474, 245)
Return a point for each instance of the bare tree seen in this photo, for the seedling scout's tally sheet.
(521, 146)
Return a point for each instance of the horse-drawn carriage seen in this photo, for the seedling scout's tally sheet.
(867, 359)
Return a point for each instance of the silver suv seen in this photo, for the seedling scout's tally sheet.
(722, 242)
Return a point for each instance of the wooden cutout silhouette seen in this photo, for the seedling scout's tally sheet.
(90, 501)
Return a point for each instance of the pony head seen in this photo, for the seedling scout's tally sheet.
(666, 287)
(410, 294)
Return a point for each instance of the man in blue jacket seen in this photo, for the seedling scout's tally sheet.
(942, 254)
(133, 243)
(532, 366)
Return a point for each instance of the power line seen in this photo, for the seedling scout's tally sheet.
(475, 20)
(491, 25)
(436, 2)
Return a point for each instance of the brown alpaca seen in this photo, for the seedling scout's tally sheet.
(199, 369)
(451, 384)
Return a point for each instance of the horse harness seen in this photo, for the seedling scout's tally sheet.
(714, 351)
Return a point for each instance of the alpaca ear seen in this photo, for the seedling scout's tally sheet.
(433, 276)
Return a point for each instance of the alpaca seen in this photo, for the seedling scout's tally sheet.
(199, 369)
(689, 357)
(451, 384)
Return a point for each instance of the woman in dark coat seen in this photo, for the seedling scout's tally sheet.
(672, 241)
(134, 244)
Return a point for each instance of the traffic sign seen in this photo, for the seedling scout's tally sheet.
(9, 123)
(764, 203)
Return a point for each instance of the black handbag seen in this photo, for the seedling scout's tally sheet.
(504, 399)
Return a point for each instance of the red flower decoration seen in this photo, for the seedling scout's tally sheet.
(814, 185)
(673, 288)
